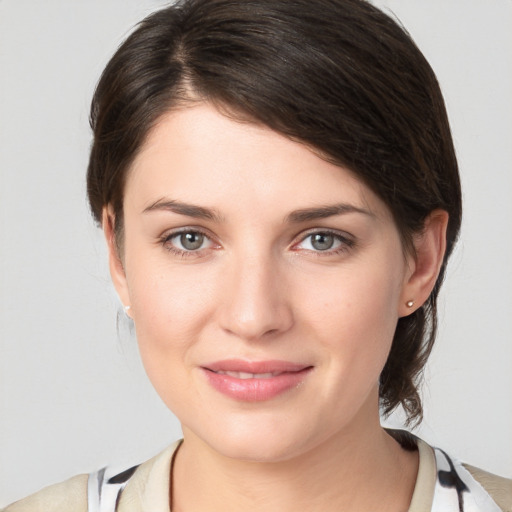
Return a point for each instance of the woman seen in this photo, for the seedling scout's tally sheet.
(279, 194)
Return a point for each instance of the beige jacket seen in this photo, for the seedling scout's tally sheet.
(148, 488)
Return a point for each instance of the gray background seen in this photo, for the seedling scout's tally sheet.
(73, 396)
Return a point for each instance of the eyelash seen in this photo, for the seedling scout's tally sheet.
(346, 243)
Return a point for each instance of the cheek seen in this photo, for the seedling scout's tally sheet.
(167, 299)
(355, 315)
(170, 310)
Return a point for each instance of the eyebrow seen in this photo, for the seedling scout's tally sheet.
(295, 217)
(322, 212)
(190, 210)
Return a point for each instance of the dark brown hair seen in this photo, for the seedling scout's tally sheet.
(337, 75)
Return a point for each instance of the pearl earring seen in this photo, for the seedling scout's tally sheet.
(409, 303)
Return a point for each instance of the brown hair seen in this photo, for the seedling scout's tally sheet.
(337, 75)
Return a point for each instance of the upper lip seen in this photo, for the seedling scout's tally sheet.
(255, 367)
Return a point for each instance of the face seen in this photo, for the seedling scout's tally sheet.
(265, 285)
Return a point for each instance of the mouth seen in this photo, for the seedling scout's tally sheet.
(255, 381)
(246, 375)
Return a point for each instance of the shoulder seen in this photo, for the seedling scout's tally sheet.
(143, 487)
(444, 483)
(499, 488)
(469, 487)
(68, 496)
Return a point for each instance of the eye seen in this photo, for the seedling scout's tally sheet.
(325, 241)
(188, 241)
(322, 241)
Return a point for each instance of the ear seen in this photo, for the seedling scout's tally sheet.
(116, 266)
(425, 264)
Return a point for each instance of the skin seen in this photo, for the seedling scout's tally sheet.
(258, 289)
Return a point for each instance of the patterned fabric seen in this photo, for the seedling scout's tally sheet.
(104, 490)
(456, 490)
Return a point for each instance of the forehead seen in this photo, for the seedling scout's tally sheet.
(197, 154)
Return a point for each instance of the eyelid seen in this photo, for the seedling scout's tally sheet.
(169, 233)
(347, 240)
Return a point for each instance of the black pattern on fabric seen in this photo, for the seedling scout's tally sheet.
(122, 477)
(105, 490)
(451, 479)
(457, 490)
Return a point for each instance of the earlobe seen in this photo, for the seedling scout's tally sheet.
(117, 271)
(430, 247)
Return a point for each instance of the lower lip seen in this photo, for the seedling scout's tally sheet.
(256, 390)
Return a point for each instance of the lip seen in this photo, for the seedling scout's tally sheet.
(232, 377)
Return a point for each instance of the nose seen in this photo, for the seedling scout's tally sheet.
(255, 302)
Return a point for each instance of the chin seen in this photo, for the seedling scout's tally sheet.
(258, 441)
(258, 450)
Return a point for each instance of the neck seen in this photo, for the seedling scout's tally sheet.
(367, 471)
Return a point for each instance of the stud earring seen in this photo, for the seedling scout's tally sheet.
(409, 303)
(127, 310)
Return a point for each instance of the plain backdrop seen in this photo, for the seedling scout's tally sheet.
(73, 396)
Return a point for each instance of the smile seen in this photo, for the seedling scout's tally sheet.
(255, 381)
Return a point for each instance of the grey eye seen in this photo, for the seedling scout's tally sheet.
(322, 241)
(191, 241)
